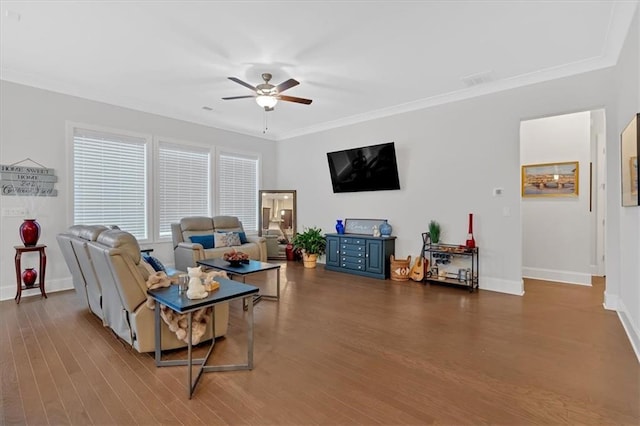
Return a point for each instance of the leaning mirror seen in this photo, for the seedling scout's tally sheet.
(277, 220)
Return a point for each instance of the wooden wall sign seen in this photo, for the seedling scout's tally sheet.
(28, 181)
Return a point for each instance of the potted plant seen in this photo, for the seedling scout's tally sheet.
(434, 231)
(312, 243)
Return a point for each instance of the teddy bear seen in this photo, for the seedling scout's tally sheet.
(196, 289)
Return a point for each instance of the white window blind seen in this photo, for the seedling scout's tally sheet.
(109, 181)
(183, 177)
(238, 188)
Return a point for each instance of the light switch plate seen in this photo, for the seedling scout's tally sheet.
(14, 212)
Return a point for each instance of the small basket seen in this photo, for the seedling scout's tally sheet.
(400, 268)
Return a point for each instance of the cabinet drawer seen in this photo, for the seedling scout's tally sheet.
(351, 265)
(351, 240)
(354, 253)
(354, 260)
(352, 248)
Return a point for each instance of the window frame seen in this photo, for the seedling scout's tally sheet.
(178, 143)
(148, 142)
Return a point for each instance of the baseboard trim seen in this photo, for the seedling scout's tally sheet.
(567, 277)
(515, 287)
(632, 333)
(51, 286)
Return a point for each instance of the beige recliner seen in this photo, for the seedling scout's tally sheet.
(107, 270)
(187, 253)
(73, 245)
(117, 260)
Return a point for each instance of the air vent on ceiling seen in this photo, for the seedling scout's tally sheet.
(478, 78)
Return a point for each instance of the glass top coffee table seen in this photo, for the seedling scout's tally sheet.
(246, 268)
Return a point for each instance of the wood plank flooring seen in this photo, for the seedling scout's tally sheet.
(337, 349)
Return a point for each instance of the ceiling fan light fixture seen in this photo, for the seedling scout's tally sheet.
(266, 101)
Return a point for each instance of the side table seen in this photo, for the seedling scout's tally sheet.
(41, 272)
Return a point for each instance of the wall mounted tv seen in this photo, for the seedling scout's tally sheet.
(369, 168)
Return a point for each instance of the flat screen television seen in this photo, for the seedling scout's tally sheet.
(369, 168)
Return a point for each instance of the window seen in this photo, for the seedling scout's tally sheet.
(184, 182)
(110, 180)
(238, 188)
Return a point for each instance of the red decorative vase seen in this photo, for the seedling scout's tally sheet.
(471, 242)
(30, 232)
(290, 252)
(29, 277)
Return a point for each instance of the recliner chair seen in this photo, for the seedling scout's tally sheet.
(120, 278)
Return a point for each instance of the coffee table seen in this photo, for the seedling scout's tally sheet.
(180, 303)
(248, 268)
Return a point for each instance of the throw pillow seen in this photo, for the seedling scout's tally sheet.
(155, 263)
(233, 239)
(220, 239)
(205, 240)
(243, 237)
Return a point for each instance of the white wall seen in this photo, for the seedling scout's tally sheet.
(556, 231)
(32, 124)
(624, 292)
(450, 159)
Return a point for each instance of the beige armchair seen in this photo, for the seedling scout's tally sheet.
(187, 253)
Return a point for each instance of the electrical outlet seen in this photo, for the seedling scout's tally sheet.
(14, 212)
(497, 192)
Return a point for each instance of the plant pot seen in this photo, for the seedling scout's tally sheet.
(309, 260)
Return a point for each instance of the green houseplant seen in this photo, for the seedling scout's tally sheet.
(312, 243)
(434, 231)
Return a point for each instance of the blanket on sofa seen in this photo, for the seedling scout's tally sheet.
(178, 322)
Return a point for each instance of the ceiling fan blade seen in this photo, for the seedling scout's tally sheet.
(294, 99)
(286, 85)
(238, 97)
(242, 83)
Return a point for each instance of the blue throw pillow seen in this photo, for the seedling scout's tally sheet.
(243, 237)
(205, 240)
(155, 263)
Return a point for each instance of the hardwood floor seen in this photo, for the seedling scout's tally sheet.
(338, 349)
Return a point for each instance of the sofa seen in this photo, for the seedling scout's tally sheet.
(197, 238)
(112, 261)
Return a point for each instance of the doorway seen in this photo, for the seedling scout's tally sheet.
(563, 234)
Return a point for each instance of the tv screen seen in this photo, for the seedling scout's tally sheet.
(370, 168)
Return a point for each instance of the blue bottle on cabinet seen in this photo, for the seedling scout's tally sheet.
(339, 226)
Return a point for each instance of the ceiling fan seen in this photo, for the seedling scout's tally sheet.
(267, 95)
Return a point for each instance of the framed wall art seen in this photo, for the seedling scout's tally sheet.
(550, 179)
(629, 149)
(361, 226)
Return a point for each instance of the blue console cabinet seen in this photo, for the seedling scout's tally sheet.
(360, 254)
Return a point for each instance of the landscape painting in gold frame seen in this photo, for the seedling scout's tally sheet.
(550, 179)
(629, 150)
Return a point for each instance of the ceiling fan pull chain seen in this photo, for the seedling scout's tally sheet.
(266, 127)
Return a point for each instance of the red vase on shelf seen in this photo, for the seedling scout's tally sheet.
(471, 242)
(29, 277)
(30, 232)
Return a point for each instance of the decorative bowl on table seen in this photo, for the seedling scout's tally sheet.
(235, 258)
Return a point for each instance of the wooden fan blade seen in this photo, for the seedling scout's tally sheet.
(242, 83)
(294, 99)
(238, 97)
(286, 85)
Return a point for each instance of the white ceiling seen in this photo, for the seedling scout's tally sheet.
(357, 60)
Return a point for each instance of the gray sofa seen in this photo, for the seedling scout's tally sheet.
(187, 253)
(108, 271)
